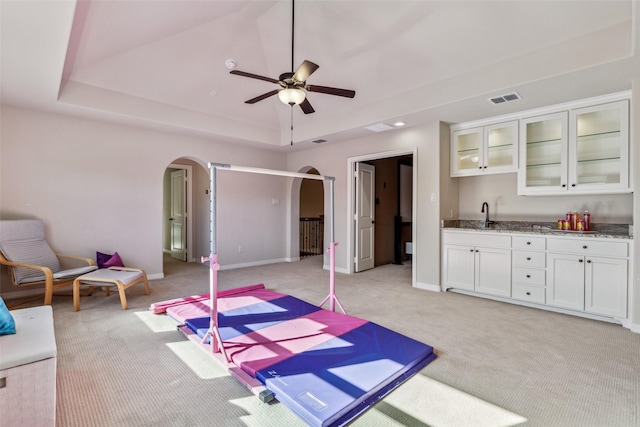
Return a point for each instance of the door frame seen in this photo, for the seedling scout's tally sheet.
(189, 204)
(351, 174)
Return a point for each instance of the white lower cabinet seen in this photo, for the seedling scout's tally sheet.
(474, 263)
(528, 274)
(588, 275)
(606, 286)
(565, 275)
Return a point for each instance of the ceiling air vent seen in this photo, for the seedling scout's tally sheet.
(319, 141)
(505, 98)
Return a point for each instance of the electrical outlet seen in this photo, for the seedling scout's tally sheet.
(240, 249)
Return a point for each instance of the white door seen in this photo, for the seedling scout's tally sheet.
(178, 216)
(365, 220)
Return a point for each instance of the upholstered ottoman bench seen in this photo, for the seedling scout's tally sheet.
(121, 277)
(28, 370)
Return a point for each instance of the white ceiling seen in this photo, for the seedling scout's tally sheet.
(162, 63)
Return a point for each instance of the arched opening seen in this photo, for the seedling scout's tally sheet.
(308, 233)
(311, 218)
(184, 214)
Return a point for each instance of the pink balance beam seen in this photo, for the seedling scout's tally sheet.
(196, 309)
(161, 307)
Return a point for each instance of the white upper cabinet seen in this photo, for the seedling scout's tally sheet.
(599, 151)
(543, 159)
(580, 151)
(484, 149)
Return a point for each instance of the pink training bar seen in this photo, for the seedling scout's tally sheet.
(213, 333)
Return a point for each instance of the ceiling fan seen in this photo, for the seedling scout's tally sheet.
(294, 84)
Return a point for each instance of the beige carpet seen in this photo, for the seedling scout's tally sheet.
(498, 364)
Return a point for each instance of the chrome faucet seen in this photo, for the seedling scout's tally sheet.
(487, 223)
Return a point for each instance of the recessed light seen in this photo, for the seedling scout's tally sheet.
(379, 127)
(399, 124)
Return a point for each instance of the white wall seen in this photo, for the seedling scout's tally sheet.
(99, 186)
(333, 159)
(505, 205)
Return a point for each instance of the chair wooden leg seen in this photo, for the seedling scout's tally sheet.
(123, 296)
(147, 291)
(48, 294)
(76, 295)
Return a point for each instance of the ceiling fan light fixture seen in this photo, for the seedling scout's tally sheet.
(292, 96)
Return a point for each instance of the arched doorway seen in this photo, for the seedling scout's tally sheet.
(311, 217)
(184, 217)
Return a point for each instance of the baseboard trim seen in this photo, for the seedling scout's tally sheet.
(635, 327)
(541, 307)
(252, 264)
(428, 287)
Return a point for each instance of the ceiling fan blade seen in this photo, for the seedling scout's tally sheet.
(304, 71)
(331, 91)
(261, 97)
(306, 107)
(254, 76)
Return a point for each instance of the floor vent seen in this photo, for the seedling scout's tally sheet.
(505, 98)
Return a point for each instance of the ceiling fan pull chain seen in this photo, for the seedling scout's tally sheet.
(292, 125)
(293, 28)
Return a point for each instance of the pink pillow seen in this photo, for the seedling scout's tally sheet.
(114, 261)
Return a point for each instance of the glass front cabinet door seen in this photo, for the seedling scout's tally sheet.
(599, 151)
(485, 149)
(583, 150)
(543, 154)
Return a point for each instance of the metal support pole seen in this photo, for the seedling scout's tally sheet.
(213, 334)
(332, 297)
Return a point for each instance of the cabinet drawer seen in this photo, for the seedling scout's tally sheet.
(490, 240)
(529, 259)
(589, 247)
(528, 293)
(529, 243)
(529, 276)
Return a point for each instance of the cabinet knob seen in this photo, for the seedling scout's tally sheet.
(528, 243)
(588, 261)
(573, 185)
(470, 250)
(477, 250)
(528, 258)
(479, 167)
(564, 185)
(485, 167)
(528, 276)
(580, 260)
(584, 247)
(528, 293)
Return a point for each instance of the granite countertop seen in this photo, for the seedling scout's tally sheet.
(601, 230)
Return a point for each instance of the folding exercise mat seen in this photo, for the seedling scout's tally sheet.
(327, 367)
